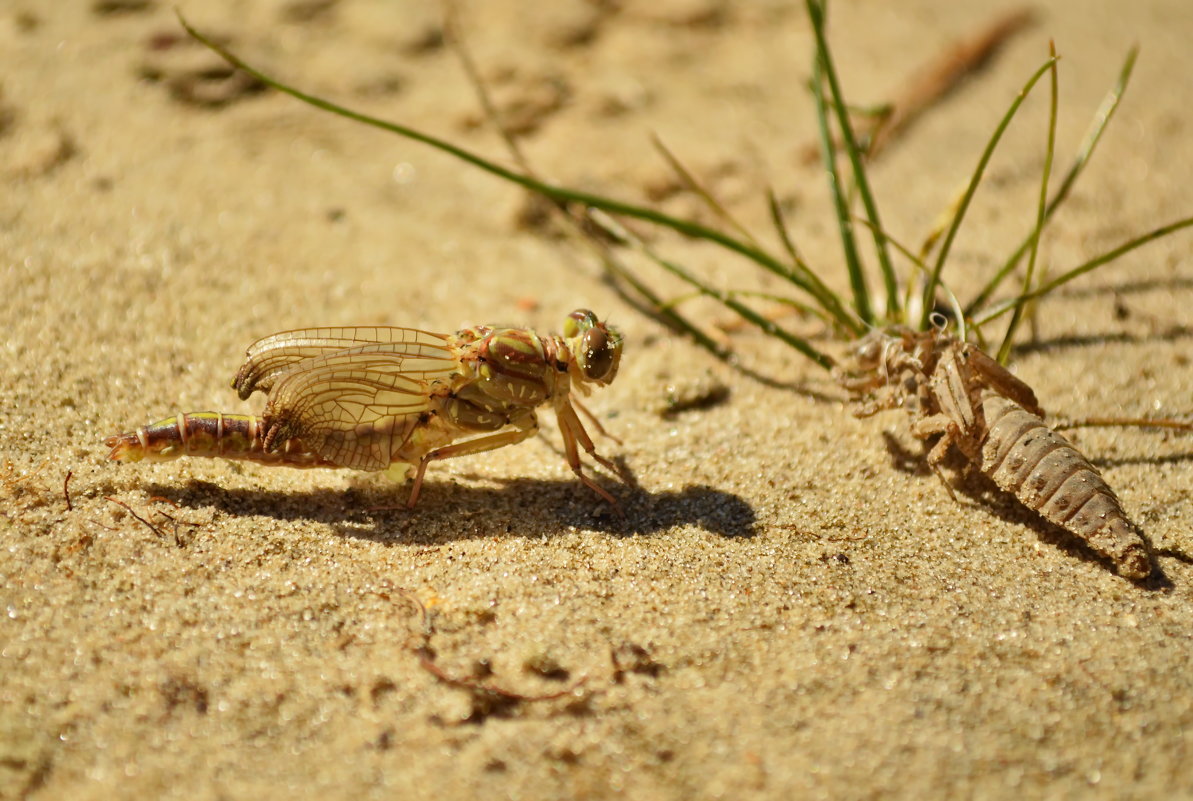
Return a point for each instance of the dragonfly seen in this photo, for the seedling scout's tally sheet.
(396, 399)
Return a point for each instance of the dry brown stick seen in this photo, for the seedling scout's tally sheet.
(1137, 422)
(935, 80)
(149, 525)
(426, 660)
(66, 490)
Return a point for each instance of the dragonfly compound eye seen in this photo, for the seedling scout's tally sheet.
(599, 354)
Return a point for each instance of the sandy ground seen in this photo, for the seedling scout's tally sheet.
(793, 609)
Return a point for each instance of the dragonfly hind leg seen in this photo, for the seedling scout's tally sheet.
(526, 428)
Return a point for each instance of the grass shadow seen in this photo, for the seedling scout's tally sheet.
(1169, 334)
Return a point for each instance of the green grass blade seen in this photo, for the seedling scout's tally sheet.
(776, 217)
(1004, 351)
(1111, 255)
(797, 262)
(726, 299)
(805, 309)
(918, 262)
(694, 186)
(632, 290)
(653, 304)
(828, 301)
(824, 61)
(853, 264)
(975, 180)
(1085, 152)
(1107, 257)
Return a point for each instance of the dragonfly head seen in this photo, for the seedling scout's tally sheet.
(595, 347)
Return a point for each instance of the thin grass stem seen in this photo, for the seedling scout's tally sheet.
(1085, 152)
(943, 254)
(557, 193)
(853, 264)
(692, 185)
(824, 60)
(726, 298)
(646, 299)
(1004, 350)
(1064, 278)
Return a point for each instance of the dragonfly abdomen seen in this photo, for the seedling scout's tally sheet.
(209, 434)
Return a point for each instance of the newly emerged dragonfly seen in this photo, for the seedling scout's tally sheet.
(397, 399)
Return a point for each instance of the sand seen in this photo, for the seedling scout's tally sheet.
(793, 608)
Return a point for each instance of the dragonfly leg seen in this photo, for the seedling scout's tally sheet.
(479, 445)
(573, 431)
(593, 418)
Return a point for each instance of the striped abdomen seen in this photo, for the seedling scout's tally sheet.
(1050, 476)
(213, 434)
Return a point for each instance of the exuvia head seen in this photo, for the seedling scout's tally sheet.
(595, 346)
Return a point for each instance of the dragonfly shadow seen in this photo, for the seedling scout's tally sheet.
(448, 511)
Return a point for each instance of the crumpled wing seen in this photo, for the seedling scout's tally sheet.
(356, 407)
(268, 358)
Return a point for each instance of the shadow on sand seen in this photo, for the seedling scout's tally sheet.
(448, 511)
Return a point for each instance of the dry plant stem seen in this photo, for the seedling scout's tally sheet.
(66, 490)
(10, 480)
(426, 660)
(933, 82)
(695, 187)
(1125, 422)
(129, 509)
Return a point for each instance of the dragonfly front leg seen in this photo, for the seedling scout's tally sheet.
(526, 427)
(573, 431)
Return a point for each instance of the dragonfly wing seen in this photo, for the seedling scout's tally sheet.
(356, 407)
(269, 358)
